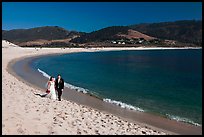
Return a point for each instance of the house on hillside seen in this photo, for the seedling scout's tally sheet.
(114, 42)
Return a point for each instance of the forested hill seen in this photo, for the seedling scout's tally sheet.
(44, 33)
(186, 31)
(109, 33)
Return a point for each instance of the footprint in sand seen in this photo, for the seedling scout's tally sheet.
(20, 130)
(103, 126)
(143, 132)
(97, 132)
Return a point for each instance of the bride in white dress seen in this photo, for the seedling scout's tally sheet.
(51, 87)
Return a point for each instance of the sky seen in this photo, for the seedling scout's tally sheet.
(92, 16)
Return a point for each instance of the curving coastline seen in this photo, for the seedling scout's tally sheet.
(160, 124)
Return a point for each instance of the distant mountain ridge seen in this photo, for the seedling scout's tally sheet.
(39, 33)
(109, 33)
(185, 31)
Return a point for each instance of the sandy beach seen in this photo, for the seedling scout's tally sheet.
(24, 113)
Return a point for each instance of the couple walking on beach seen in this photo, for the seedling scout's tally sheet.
(55, 85)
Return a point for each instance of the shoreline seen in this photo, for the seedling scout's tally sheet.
(94, 49)
(161, 119)
(139, 118)
(115, 102)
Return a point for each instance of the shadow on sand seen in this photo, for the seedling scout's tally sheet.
(41, 95)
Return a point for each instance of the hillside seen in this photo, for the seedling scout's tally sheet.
(132, 34)
(109, 33)
(179, 33)
(40, 33)
(186, 31)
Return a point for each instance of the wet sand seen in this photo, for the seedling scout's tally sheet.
(137, 122)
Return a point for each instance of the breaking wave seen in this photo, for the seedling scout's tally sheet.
(180, 119)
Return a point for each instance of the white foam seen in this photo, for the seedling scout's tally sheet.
(44, 73)
(79, 89)
(186, 120)
(123, 105)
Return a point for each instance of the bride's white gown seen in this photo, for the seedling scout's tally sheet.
(52, 90)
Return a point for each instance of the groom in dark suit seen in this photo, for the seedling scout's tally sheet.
(59, 85)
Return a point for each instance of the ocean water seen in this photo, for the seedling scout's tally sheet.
(162, 82)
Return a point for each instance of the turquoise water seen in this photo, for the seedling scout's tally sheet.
(163, 82)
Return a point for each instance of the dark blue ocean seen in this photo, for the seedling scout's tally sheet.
(162, 82)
